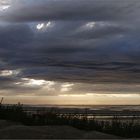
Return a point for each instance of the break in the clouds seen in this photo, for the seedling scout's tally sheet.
(92, 42)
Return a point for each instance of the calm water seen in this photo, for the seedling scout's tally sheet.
(105, 108)
(96, 107)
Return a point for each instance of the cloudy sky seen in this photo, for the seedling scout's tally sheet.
(70, 51)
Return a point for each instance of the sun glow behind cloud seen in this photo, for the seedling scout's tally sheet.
(66, 87)
(49, 92)
(27, 82)
(33, 82)
(100, 95)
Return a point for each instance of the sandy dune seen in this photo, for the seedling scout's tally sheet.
(9, 130)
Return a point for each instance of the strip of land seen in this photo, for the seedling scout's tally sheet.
(12, 130)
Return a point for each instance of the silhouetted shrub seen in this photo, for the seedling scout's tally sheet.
(115, 126)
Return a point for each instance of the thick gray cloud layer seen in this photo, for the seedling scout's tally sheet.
(87, 41)
(72, 10)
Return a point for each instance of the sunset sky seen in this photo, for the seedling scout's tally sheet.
(70, 51)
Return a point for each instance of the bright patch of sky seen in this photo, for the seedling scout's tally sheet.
(6, 73)
(90, 25)
(4, 5)
(66, 87)
(43, 26)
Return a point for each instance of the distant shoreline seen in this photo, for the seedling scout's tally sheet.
(73, 105)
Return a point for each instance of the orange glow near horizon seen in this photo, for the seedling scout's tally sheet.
(87, 99)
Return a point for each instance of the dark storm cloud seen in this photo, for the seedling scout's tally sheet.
(72, 10)
(106, 88)
(88, 41)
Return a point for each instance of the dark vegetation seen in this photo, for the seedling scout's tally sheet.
(115, 126)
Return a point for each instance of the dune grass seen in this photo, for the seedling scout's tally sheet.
(115, 126)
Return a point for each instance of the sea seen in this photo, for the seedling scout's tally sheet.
(93, 107)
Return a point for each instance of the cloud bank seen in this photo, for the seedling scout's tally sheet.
(81, 41)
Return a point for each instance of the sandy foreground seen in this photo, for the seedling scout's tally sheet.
(10, 130)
